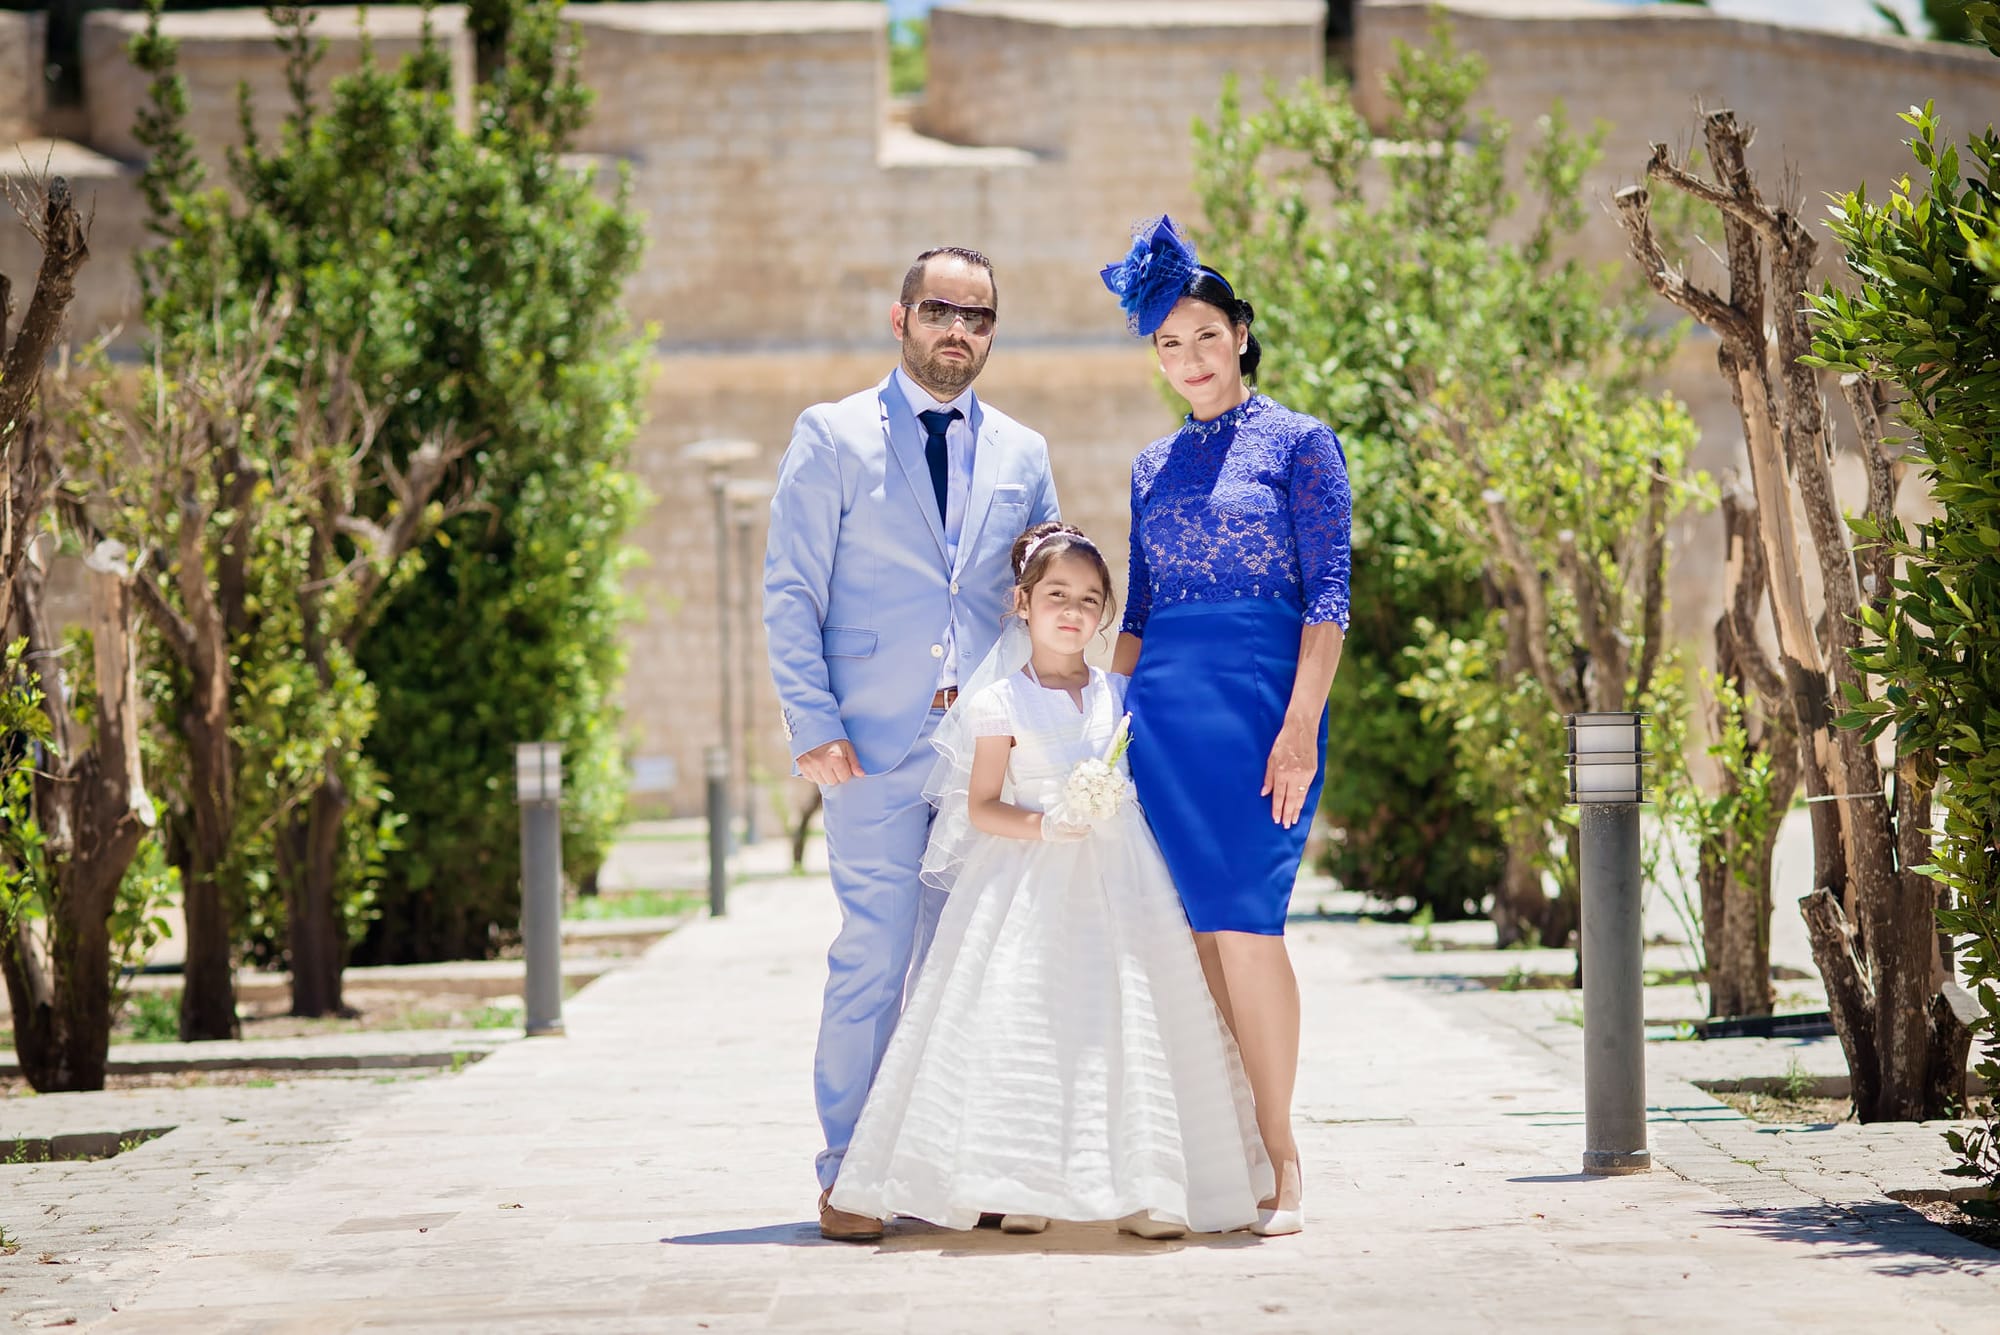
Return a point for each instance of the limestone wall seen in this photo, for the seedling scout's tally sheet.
(1824, 104)
(222, 48)
(21, 84)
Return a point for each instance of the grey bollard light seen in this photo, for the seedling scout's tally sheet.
(1607, 762)
(538, 788)
(716, 759)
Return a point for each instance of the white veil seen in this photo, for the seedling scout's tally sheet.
(949, 786)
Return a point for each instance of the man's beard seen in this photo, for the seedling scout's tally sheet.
(939, 374)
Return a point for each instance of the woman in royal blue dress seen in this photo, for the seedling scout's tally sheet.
(1234, 619)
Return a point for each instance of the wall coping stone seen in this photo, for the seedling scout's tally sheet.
(734, 17)
(1154, 14)
(336, 21)
(60, 157)
(1582, 21)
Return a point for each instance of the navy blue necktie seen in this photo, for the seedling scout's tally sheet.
(936, 421)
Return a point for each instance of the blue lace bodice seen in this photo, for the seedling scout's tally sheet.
(1254, 504)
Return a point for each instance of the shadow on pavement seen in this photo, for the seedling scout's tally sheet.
(910, 1235)
(802, 1234)
(1060, 1239)
(1887, 1235)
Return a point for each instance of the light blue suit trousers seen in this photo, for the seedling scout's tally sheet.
(858, 595)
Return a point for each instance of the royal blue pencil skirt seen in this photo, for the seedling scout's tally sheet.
(1207, 701)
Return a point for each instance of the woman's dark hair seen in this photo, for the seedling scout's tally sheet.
(1038, 548)
(1209, 286)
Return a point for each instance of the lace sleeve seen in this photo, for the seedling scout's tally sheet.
(987, 714)
(1322, 519)
(1139, 584)
(983, 709)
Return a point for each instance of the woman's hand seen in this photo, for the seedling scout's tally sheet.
(1290, 770)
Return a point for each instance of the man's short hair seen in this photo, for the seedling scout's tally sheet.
(913, 281)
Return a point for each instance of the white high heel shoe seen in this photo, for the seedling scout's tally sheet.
(1275, 1223)
(1023, 1223)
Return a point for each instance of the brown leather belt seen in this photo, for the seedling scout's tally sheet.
(943, 699)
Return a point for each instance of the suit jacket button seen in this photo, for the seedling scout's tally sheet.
(937, 651)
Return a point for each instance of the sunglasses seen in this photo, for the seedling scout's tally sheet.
(935, 314)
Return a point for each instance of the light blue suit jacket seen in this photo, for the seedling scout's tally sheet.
(857, 588)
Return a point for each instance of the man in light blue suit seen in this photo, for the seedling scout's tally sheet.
(886, 577)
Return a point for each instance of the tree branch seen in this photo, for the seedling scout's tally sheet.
(1653, 608)
(1604, 689)
(1876, 564)
(1662, 168)
(1534, 605)
(1635, 209)
(174, 628)
(61, 234)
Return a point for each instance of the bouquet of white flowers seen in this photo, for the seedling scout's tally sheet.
(1096, 789)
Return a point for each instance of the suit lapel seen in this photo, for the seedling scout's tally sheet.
(899, 424)
(985, 476)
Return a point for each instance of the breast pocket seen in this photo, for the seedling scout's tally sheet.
(846, 642)
(1010, 510)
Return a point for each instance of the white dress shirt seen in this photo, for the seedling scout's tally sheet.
(958, 445)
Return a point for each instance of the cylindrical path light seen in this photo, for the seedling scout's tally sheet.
(716, 760)
(718, 456)
(1607, 780)
(748, 498)
(538, 788)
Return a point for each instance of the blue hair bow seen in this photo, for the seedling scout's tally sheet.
(1149, 280)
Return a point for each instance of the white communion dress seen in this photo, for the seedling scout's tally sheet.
(1060, 1054)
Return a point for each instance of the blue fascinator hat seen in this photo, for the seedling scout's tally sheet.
(1153, 276)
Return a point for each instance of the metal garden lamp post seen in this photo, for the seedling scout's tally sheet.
(718, 456)
(538, 788)
(1607, 780)
(747, 497)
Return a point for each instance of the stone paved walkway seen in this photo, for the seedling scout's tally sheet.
(651, 1171)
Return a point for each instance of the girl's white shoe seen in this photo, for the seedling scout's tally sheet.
(1023, 1223)
(1143, 1225)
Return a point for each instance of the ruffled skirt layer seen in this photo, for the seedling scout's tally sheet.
(1060, 1055)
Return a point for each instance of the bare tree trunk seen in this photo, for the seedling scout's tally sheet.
(89, 799)
(311, 869)
(1520, 903)
(1736, 882)
(803, 832)
(1873, 940)
(91, 806)
(208, 983)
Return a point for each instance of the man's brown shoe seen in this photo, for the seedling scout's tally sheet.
(841, 1226)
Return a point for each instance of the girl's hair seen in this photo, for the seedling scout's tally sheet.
(1209, 286)
(1037, 549)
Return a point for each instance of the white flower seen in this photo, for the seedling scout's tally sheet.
(1095, 791)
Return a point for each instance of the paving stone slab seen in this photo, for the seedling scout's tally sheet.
(652, 1170)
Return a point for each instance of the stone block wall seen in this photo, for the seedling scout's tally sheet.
(751, 134)
(22, 88)
(224, 48)
(1824, 104)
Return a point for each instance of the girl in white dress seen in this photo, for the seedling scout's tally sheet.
(1060, 1056)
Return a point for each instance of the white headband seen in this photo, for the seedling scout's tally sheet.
(1036, 545)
